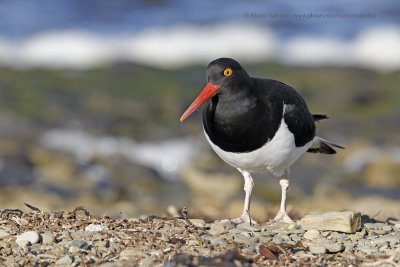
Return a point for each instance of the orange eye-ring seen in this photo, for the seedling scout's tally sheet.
(228, 72)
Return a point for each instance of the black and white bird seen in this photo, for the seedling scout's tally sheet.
(256, 125)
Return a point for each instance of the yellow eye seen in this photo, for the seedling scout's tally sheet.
(228, 72)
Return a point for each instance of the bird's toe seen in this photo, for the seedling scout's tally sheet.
(282, 217)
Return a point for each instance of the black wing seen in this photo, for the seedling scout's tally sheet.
(295, 111)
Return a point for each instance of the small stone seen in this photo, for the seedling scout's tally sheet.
(147, 261)
(7, 251)
(66, 260)
(59, 251)
(341, 237)
(316, 249)
(295, 238)
(391, 251)
(96, 228)
(311, 234)
(245, 239)
(80, 234)
(235, 231)
(292, 226)
(193, 242)
(251, 228)
(374, 226)
(378, 228)
(81, 214)
(347, 222)
(320, 246)
(267, 253)
(264, 233)
(369, 250)
(46, 256)
(79, 244)
(285, 237)
(47, 237)
(4, 234)
(366, 243)
(198, 222)
(221, 228)
(325, 233)
(334, 247)
(218, 241)
(131, 252)
(277, 240)
(392, 221)
(28, 237)
(73, 249)
(4, 244)
(112, 264)
(391, 240)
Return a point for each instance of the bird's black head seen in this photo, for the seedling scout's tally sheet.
(225, 77)
(228, 74)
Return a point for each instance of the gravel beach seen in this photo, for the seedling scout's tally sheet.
(76, 238)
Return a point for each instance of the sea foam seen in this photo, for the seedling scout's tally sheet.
(185, 44)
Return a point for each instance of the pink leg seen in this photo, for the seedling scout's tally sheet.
(282, 215)
(248, 188)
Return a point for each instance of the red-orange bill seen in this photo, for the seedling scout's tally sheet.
(207, 93)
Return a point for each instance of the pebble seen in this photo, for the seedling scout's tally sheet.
(368, 250)
(318, 245)
(73, 250)
(347, 221)
(131, 252)
(219, 241)
(59, 250)
(378, 228)
(66, 260)
(198, 222)
(245, 239)
(28, 237)
(295, 237)
(4, 244)
(220, 228)
(311, 234)
(251, 228)
(81, 214)
(391, 240)
(80, 234)
(4, 234)
(277, 240)
(48, 237)
(79, 244)
(96, 228)
(316, 249)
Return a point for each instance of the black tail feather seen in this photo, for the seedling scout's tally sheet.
(325, 147)
(318, 117)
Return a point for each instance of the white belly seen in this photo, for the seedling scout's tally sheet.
(276, 156)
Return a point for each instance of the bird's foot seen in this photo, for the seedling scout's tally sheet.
(242, 219)
(282, 216)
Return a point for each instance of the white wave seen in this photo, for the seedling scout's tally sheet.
(314, 51)
(184, 44)
(378, 48)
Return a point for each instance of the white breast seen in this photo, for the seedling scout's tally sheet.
(277, 155)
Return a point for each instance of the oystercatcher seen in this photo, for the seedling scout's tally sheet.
(256, 125)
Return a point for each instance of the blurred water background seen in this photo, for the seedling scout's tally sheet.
(91, 93)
